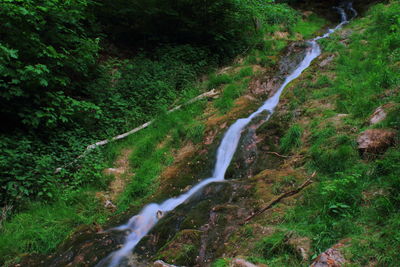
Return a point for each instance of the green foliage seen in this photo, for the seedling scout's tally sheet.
(230, 93)
(58, 95)
(221, 263)
(47, 58)
(217, 80)
(148, 158)
(292, 138)
(273, 245)
(225, 26)
(353, 198)
(361, 78)
(275, 250)
(43, 227)
(307, 28)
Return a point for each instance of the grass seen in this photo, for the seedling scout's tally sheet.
(292, 138)
(307, 28)
(41, 228)
(220, 263)
(171, 130)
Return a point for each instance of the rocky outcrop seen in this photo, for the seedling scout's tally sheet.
(375, 141)
(267, 85)
(332, 257)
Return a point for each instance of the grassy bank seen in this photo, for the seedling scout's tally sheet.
(355, 199)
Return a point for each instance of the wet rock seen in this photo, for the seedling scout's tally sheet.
(160, 263)
(375, 141)
(269, 84)
(183, 248)
(241, 263)
(265, 87)
(380, 114)
(194, 234)
(85, 248)
(332, 257)
(294, 55)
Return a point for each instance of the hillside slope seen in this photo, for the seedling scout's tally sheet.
(333, 142)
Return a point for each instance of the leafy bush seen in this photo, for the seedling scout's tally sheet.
(226, 26)
(47, 60)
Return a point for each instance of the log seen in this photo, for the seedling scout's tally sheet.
(208, 94)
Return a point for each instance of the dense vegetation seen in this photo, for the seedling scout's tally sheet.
(71, 74)
(68, 77)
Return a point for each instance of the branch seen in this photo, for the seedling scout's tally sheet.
(280, 197)
(276, 154)
(211, 93)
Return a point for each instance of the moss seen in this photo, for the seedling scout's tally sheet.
(182, 249)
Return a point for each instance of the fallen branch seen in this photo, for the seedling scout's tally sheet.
(211, 93)
(280, 197)
(276, 154)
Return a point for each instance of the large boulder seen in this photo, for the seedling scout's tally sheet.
(375, 141)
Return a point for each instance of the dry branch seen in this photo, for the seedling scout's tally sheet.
(276, 154)
(280, 197)
(211, 93)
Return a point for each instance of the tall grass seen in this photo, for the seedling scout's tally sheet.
(292, 138)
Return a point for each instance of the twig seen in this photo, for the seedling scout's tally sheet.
(280, 197)
(274, 153)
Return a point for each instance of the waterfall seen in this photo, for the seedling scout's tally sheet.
(139, 225)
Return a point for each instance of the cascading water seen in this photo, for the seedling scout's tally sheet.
(138, 226)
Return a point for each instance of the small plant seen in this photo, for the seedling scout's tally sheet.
(292, 138)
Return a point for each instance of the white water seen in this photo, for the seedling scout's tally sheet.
(139, 225)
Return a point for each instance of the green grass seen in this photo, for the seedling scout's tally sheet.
(149, 159)
(292, 138)
(220, 263)
(217, 80)
(353, 198)
(42, 227)
(308, 28)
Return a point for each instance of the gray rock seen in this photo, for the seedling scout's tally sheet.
(375, 141)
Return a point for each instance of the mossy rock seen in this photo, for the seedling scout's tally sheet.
(182, 249)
